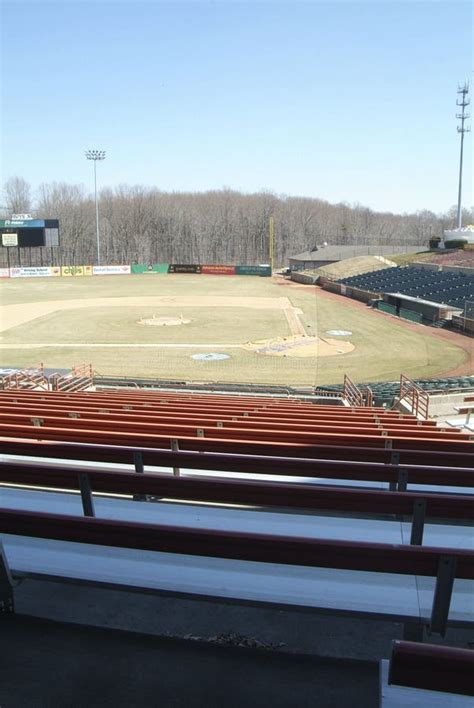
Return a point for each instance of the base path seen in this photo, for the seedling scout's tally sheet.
(294, 322)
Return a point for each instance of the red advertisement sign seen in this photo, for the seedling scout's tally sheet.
(218, 270)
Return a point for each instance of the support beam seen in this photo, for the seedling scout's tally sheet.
(418, 523)
(86, 494)
(442, 595)
(6, 584)
(139, 469)
(175, 448)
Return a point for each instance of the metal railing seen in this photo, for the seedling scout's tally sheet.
(31, 378)
(356, 396)
(415, 397)
(80, 378)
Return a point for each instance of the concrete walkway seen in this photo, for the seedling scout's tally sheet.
(47, 664)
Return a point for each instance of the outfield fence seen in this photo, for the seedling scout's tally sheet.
(134, 269)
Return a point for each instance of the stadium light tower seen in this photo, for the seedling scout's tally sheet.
(462, 102)
(96, 155)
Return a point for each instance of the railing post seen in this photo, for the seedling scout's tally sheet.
(6, 584)
(140, 469)
(442, 594)
(394, 460)
(418, 522)
(86, 494)
(138, 461)
(175, 448)
(402, 480)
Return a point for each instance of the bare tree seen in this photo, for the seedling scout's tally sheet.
(144, 225)
(17, 193)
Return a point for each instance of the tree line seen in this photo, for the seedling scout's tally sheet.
(145, 225)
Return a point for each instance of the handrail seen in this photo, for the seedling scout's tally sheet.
(29, 378)
(225, 491)
(80, 379)
(432, 667)
(357, 395)
(369, 396)
(415, 397)
(264, 548)
(351, 393)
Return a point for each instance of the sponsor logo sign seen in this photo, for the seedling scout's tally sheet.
(35, 272)
(26, 223)
(151, 269)
(4, 272)
(184, 268)
(111, 270)
(9, 239)
(262, 270)
(218, 270)
(74, 271)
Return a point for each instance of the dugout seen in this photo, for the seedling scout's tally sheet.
(416, 309)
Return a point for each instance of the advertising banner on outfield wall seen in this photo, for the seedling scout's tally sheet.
(218, 270)
(264, 270)
(152, 269)
(74, 271)
(4, 272)
(111, 270)
(35, 272)
(184, 268)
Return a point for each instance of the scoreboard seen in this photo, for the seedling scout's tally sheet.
(25, 233)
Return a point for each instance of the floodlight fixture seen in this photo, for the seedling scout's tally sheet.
(96, 155)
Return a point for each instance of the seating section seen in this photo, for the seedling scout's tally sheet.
(442, 287)
(455, 257)
(384, 392)
(276, 502)
(432, 667)
(213, 422)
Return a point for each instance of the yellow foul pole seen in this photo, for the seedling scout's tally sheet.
(271, 241)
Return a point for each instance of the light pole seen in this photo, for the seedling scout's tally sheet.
(96, 155)
(462, 102)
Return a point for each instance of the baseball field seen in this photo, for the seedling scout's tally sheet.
(212, 328)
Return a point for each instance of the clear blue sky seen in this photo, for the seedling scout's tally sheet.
(345, 101)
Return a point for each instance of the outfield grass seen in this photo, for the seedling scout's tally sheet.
(384, 347)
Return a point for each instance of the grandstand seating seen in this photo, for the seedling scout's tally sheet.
(427, 676)
(384, 392)
(71, 439)
(455, 257)
(216, 422)
(432, 667)
(443, 287)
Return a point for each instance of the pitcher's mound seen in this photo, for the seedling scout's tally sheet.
(164, 321)
(297, 346)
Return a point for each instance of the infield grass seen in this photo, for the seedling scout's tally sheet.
(384, 346)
